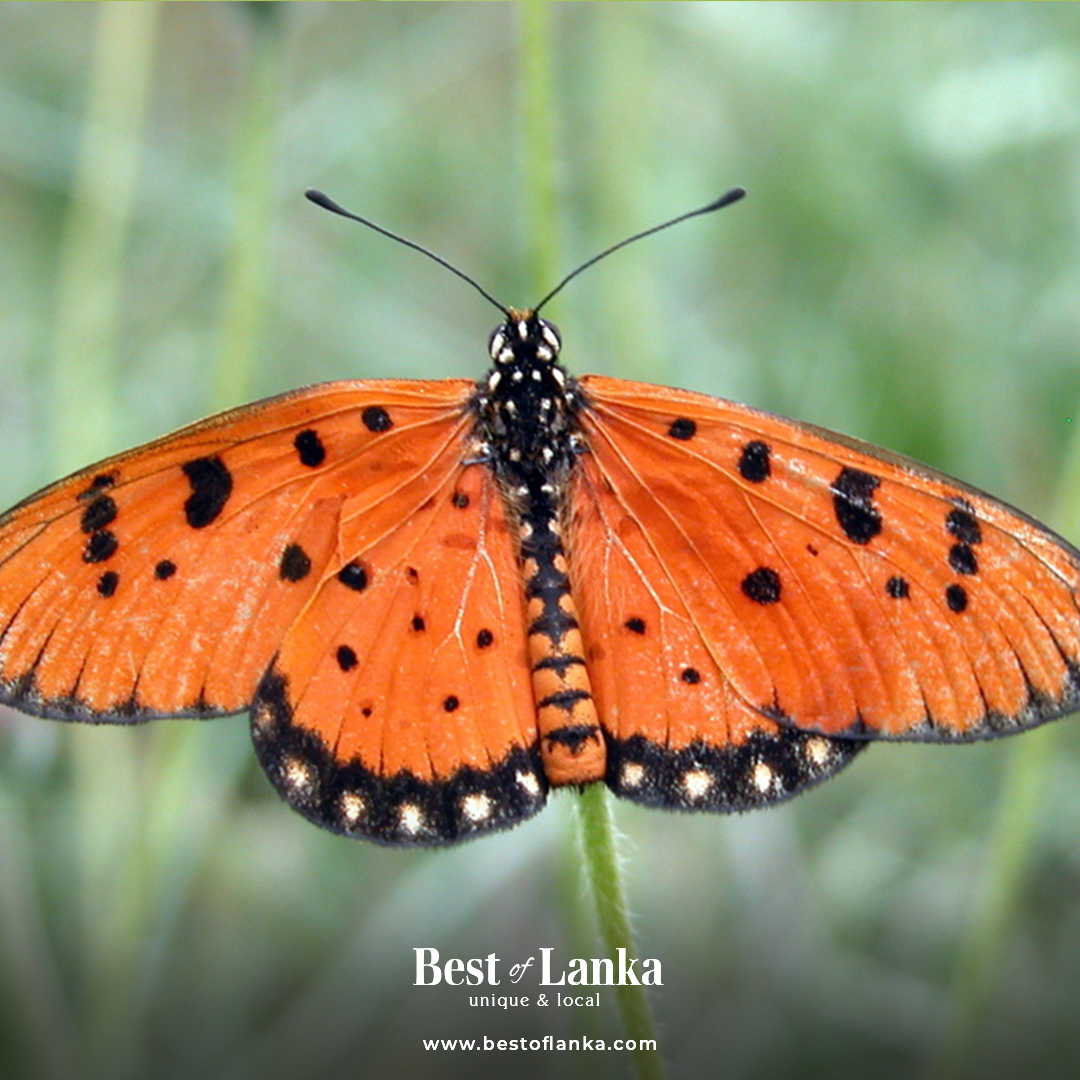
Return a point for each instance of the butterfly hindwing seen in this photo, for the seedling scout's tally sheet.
(835, 588)
(678, 733)
(400, 704)
(160, 581)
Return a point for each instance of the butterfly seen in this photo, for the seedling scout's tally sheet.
(438, 600)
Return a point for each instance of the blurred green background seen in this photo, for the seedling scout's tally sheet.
(906, 269)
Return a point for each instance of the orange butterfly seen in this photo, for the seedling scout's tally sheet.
(440, 599)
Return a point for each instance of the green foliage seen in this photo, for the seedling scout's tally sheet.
(905, 269)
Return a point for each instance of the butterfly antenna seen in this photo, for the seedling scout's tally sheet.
(734, 195)
(319, 199)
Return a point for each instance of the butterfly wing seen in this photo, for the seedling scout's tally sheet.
(327, 555)
(161, 581)
(677, 731)
(765, 578)
(400, 704)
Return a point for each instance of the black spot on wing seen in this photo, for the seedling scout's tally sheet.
(107, 583)
(295, 564)
(762, 585)
(102, 545)
(484, 638)
(310, 448)
(956, 597)
(346, 658)
(683, 429)
(853, 501)
(376, 419)
(211, 485)
(754, 461)
(101, 482)
(635, 625)
(897, 588)
(962, 559)
(962, 523)
(164, 569)
(101, 512)
(353, 576)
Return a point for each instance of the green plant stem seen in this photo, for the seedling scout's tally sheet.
(601, 858)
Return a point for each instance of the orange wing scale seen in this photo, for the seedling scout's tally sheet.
(807, 578)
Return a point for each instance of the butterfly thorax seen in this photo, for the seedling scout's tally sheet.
(527, 406)
(527, 425)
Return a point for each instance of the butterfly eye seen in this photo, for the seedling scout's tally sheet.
(550, 333)
(497, 343)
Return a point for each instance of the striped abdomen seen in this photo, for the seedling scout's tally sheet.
(571, 745)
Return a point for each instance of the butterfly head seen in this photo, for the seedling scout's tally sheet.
(524, 337)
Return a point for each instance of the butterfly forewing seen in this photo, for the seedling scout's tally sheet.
(836, 588)
(160, 582)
